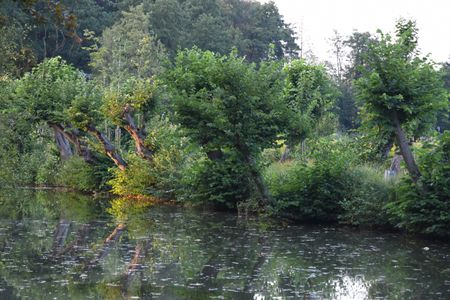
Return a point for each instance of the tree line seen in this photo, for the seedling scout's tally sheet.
(207, 102)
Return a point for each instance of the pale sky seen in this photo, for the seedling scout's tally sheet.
(316, 20)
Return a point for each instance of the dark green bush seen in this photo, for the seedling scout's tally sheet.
(76, 174)
(312, 190)
(220, 183)
(425, 207)
(368, 195)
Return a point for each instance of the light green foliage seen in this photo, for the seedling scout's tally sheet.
(426, 210)
(128, 49)
(310, 96)
(76, 174)
(137, 179)
(397, 81)
(173, 154)
(329, 184)
(133, 95)
(47, 169)
(45, 93)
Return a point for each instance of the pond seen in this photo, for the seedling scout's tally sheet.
(60, 245)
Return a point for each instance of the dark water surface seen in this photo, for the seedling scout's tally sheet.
(56, 245)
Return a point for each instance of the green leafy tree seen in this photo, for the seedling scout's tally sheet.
(57, 94)
(228, 106)
(310, 95)
(443, 122)
(44, 93)
(128, 49)
(134, 98)
(399, 89)
(129, 56)
(17, 54)
(220, 25)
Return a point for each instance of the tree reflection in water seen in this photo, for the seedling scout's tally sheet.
(69, 246)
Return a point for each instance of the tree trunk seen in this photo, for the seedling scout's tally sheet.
(286, 154)
(109, 242)
(108, 147)
(142, 150)
(60, 236)
(254, 173)
(80, 149)
(405, 150)
(395, 164)
(62, 143)
(258, 180)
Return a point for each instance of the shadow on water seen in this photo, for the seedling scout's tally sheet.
(56, 245)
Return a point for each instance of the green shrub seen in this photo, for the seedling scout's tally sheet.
(47, 172)
(162, 176)
(368, 194)
(220, 183)
(135, 180)
(76, 174)
(311, 190)
(425, 207)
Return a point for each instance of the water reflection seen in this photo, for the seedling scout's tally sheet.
(69, 246)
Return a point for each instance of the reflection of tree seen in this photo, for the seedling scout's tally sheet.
(80, 239)
(109, 243)
(62, 229)
(146, 251)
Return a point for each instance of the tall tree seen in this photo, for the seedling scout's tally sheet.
(128, 57)
(228, 105)
(127, 49)
(57, 94)
(310, 95)
(400, 89)
(220, 25)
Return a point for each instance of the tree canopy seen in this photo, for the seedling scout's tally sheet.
(400, 89)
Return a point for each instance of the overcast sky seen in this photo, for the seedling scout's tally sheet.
(316, 20)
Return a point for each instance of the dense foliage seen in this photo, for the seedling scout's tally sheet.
(424, 206)
(207, 104)
(231, 109)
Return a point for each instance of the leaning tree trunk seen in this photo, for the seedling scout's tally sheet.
(108, 147)
(62, 143)
(408, 157)
(141, 149)
(80, 149)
